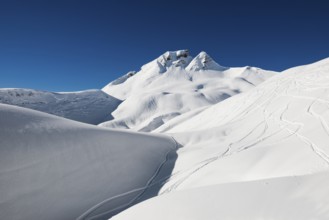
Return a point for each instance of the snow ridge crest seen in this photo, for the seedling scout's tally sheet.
(182, 59)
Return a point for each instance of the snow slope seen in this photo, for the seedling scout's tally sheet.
(91, 106)
(173, 84)
(285, 198)
(55, 168)
(280, 128)
(275, 135)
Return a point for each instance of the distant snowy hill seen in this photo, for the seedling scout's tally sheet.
(91, 106)
(173, 84)
(262, 154)
(53, 168)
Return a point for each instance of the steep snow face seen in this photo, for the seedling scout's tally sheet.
(91, 106)
(53, 168)
(174, 84)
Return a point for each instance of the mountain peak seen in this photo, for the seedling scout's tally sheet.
(183, 59)
(179, 58)
(203, 62)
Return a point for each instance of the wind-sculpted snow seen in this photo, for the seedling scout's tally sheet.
(90, 106)
(54, 168)
(174, 84)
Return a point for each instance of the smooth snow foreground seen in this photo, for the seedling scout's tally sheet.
(54, 168)
(285, 198)
(262, 154)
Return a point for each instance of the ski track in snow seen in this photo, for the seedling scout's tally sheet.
(282, 123)
(226, 153)
(149, 184)
(306, 140)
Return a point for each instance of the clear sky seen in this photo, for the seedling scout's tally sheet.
(67, 45)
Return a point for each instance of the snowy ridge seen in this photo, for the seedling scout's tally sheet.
(169, 59)
(90, 106)
(123, 78)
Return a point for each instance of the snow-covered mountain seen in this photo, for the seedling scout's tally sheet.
(173, 84)
(223, 143)
(91, 106)
(262, 154)
(164, 88)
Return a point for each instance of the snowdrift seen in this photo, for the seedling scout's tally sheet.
(54, 168)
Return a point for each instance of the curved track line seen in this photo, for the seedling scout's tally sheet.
(85, 215)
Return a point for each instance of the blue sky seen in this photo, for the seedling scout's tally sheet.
(67, 45)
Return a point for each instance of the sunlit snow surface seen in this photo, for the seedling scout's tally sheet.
(262, 154)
